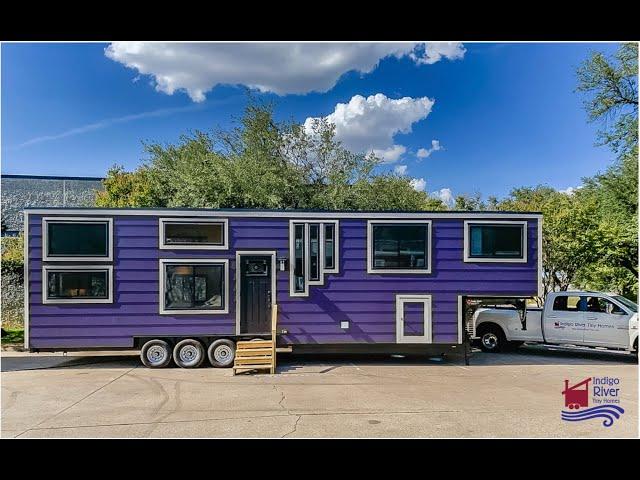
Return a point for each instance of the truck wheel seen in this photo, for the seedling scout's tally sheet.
(492, 339)
(188, 353)
(222, 353)
(155, 354)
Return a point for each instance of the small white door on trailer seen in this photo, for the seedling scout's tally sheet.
(413, 319)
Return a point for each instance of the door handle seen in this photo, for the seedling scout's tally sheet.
(268, 297)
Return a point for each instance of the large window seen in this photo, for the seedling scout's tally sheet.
(77, 239)
(495, 241)
(313, 252)
(193, 234)
(193, 286)
(399, 246)
(77, 284)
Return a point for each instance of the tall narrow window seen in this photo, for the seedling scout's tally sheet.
(329, 246)
(314, 251)
(298, 273)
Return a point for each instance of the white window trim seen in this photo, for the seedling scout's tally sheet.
(274, 274)
(193, 261)
(428, 318)
(71, 258)
(307, 254)
(336, 246)
(469, 259)
(193, 246)
(372, 269)
(76, 268)
(292, 263)
(321, 270)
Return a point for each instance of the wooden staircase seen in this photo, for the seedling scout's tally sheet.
(258, 354)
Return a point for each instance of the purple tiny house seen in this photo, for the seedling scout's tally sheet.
(343, 281)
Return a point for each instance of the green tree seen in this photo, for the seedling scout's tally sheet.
(611, 88)
(569, 236)
(261, 163)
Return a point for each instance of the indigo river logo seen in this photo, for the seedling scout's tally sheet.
(604, 393)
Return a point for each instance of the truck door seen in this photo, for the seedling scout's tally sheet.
(607, 325)
(564, 320)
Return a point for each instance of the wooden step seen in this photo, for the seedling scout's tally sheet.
(254, 344)
(253, 361)
(254, 352)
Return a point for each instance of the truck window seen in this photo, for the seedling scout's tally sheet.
(566, 303)
(602, 305)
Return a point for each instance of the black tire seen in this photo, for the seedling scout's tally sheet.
(222, 353)
(492, 339)
(188, 353)
(156, 354)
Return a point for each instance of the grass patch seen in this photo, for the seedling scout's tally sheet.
(13, 336)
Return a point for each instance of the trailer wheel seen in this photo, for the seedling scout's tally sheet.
(492, 339)
(222, 353)
(155, 354)
(188, 353)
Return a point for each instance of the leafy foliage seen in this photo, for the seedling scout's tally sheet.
(261, 163)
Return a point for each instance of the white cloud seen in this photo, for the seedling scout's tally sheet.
(418, 184)
(434, 51)
(445, 195)
(569, 190)
(370, 124)
(400, 169)
(281, 68)
(424, 152)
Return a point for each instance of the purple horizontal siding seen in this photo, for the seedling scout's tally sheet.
(366, 301)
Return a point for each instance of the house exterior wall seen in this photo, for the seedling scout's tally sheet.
(366, 301)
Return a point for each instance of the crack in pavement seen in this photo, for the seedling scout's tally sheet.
(295, 427)
(77, 402)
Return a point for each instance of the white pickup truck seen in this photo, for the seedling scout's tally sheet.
(585, 319)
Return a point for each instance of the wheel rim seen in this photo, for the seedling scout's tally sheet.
(490, 340)
(223, 354)
(189, 354)
(157, 354)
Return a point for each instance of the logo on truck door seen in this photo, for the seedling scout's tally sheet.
(604, 393)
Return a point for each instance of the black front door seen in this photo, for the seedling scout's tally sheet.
(255, 293)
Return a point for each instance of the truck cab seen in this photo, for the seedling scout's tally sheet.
(586, 319)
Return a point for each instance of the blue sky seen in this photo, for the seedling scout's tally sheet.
(505, 115)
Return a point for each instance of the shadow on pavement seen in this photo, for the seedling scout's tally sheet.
(33, 362)
(322, 363)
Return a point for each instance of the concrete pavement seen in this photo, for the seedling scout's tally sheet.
(504, 395)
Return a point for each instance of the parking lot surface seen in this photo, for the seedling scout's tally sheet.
(110, 394)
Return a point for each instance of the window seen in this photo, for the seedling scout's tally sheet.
(77, 239)
(602, 305)
(402, 246)
(77, 284)
(193, 234)
(192, 286)
(567, 304)
(313, 250)
(627, 303)
(298, 260)
(329, 246)
(495, 241)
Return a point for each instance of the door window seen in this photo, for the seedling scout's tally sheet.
(602, 305)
